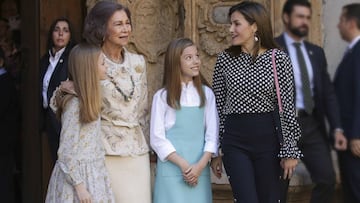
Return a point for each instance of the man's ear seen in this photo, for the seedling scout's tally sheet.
(352, 23)
(285, 18)
(1, 62)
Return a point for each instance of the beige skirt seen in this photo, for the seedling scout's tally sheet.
(130, 178)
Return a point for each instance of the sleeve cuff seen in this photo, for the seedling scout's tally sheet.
(72, 177)
(211, 147)
(164, 154)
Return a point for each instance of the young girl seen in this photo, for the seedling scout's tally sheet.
(183, 128)
(79, 174)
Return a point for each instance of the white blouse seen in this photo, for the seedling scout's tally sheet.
(53, 61)
(163, 118)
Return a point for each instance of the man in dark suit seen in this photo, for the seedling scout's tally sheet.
(315, 100)
(8, 130)
(347, 88)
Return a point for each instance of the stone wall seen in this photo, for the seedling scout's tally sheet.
(334, 46)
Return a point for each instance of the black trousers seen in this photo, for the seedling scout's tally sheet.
(250, 148)
(317, 159)
(53, 128)
(350, 176)
(7, 159)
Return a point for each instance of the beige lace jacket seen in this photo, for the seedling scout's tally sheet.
(125, 115)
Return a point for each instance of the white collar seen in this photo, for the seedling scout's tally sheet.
(187, 85)
(290, 41)
(353, 42)
(57, 54)
(2, 70)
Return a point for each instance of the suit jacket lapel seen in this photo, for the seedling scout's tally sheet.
(58, 67)
(282, 43)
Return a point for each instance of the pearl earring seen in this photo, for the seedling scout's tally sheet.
(256, 38)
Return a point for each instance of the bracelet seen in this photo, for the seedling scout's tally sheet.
(221, 152)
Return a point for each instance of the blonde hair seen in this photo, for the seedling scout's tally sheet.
(83, 71)
(172, 73)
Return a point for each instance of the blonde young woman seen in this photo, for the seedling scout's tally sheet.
(124, 114)
(79, 174)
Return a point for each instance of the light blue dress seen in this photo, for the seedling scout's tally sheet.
(188, 137)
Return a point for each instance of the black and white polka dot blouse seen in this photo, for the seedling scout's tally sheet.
(243, 86)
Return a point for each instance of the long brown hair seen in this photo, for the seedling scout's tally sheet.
(254, 12)
(172, 73)
(83, 71)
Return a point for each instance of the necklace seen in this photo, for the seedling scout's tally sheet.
(117, 61)
(127, 98)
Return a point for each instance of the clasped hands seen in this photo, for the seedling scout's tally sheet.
(191, 174)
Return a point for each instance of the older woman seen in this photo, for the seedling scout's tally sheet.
(124, 115)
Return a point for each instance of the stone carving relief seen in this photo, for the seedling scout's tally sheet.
(210, 18)
(155, 25)
(212, 28)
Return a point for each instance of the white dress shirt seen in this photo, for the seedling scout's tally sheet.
(297, 74)
(2, 71)
(353, 42)
(53, 60)
(163, 117)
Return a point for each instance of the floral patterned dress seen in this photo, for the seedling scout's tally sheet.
(81, 159)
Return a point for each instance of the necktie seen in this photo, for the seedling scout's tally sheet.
(306, 89)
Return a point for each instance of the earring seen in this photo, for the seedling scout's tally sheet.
(256, 38)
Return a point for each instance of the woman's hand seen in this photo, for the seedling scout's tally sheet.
(67, 86)
(180, 162)
(191, 176)
(216, 166)
(289, 167)
(355, 147)
(83, 195)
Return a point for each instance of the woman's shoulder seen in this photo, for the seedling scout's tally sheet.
(208, 92)
(160, 96)
(72, 103)
(160, 93)
(282, 60)
(280, 54)
(223, 53)
(134, 56)
(45, 58)
(136, 61)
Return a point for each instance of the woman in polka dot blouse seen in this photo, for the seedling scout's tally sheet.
(244, 88)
